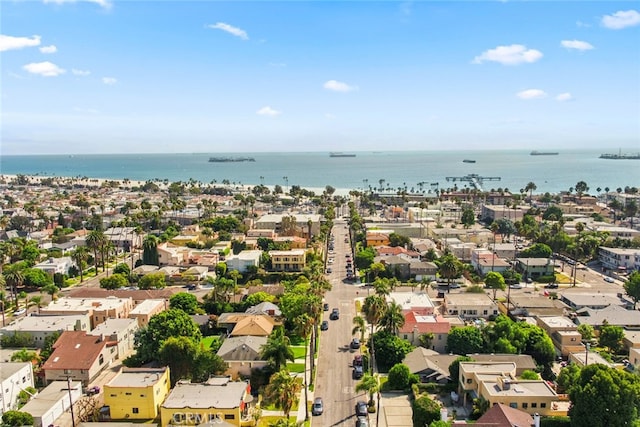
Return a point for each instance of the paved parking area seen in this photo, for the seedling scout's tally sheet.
(395, 410)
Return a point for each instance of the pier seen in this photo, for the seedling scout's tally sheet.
(475, 179)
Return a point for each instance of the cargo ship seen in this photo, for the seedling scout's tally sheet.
(339, 154)
(231, 159)
(544, 153)
(468, 161)
(621, 156)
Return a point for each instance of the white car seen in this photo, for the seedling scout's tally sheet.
(20, 312)
(609, 279)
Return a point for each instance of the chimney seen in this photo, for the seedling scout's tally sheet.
(536, 420)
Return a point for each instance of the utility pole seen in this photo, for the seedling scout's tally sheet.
(73, 419)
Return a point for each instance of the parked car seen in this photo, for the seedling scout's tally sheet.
(335, 314)
(609, 279)
(358, 372)
(318, 406)
(325, 306)
(329, 271)
(355, 343)
(20, 312)
(362, 422)
(357, 360)
(324, 325)
(93, 390)
(361, 409)
(516, 286)
(552, 286)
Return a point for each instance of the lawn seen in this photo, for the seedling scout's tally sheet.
(297, 368)
(267, 421)
(208, 341)
(298, 352)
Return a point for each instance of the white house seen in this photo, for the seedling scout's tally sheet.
(244, 260)
(56, 265)
(121, 331)
(14, 377)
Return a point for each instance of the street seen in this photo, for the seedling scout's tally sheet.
(334, 383)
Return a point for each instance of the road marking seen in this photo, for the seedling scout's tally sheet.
(347, 390)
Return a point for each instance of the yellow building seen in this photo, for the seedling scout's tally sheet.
(216, 401)
(137, 393)
(293, 260)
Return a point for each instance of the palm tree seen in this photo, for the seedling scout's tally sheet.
(359, 327)
(37, 300)
(373, 308)
(530, 187)
(277, 349)
(283, 390)
(304, 324)
(79, 256)
(52, 290)
(392, 319)
(95, 240)
(150, 250)
(14, 278)
(448, 268)
(426, 339)
(369, 384)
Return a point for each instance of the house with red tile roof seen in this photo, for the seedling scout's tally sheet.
(79, 356)
(416, 324)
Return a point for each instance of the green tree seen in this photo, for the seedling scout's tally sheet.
(425, 411)
(370, 384)
(602, 397)
(537, 250)
(454, 367)
(152, 281)
(552, 213)
(80, 257)
(114, 281)
(468, 217)
(400, 377)
(36, 278)
(389, 349)
(359, 327)
(150, 250)
(95, 241)
(528, 374)
(586, 331)
(283, 389)
(494, 280)
(122, 268)
(392, 319)
(632, 287)
(166, 324)
(396, 239)
(465, 340)
(530, 187)
(25, 355)
(611, 337)
(17, 419)
(277, 349)
(186, 302)
(178, 353)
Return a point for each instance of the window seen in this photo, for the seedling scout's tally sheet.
(128, 393)
(142, 395)
(514, 405)
(113, 395)
(229, 417)
(135, 410)
(67, 371)
(439, 337)
(469, 380)
(534, 405)
(24, 379)
(525, 405)
(543, 405)
(101, 359)
(485, 312)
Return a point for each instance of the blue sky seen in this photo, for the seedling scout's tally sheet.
(106, 76)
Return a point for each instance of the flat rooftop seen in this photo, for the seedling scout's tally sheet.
(409, 300)
(206, 395)
(520, 388)
(147, 306)
(46, 323)
(137, 377)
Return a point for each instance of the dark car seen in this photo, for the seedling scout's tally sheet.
(324, 325)
(93, 390)
(358, 372)
(361, 409)
(335, 314)
(355, 343)
(325, 306)
(318, 406)
(552, 286)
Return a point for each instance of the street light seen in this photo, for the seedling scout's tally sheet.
(586, 353)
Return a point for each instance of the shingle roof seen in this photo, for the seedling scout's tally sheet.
(75, 350)
(500, 415)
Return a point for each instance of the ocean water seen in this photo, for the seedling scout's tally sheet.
(316, 170)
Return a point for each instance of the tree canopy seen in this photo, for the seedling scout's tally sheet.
(465, 340)
(186, 302)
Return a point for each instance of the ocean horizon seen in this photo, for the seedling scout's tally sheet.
(415, 170)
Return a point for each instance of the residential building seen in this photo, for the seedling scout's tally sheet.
(523, 362)
(41, 327)
(470, 305)
(53, 401)
(619, 259)
(120, 331)
(124, 238)
(523, 305)
(292, 242)
(144, 311)
(377, 238)
(416, 325)
(56, 265)
(619, 232)
(423, 270)
(579, 299)
(79, 356)
(416, 302)
(533, 268)
(485, 260)
(242, 354)
(244, 260)
(302, 223)
(231, 320)
(563, 332)
(138, 296)
(500, 415)
(430, 365)
(253, 325)
(14, 377)
(265, 307)
(492, 213)
(137, 393)
(99, 309)
(197, 272)
(293, 260)
(613, 315)
(216, 401)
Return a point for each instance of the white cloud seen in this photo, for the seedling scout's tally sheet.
(230, 29)
(109, 80)
(329, 116)
(576, 44)
(49, 49)
(106, 4)
(268, 111)
(531, 94)
(621, 19)
(46, 69)
(10, 42)
(77, 72)
(509, 55)
(563, 97)
(337, 86)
